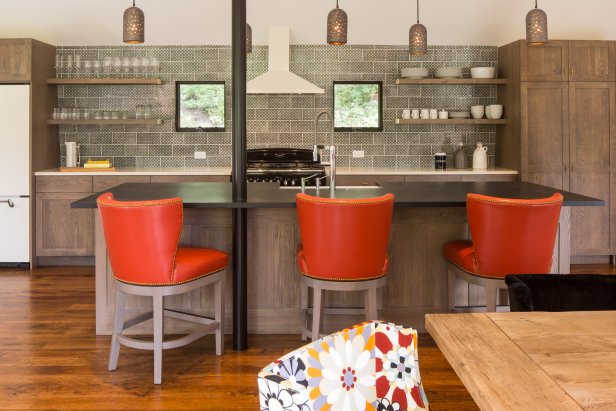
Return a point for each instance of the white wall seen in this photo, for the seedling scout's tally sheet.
(449, 22)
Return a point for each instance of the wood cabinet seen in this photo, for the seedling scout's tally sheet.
(15, 60)
(65, 235)
(562, 133)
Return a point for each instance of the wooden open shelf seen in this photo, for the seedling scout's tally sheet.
(451, 121)
(153, 121)
(106, 80)
(452, 81)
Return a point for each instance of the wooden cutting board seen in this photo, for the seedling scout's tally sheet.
(83, 169)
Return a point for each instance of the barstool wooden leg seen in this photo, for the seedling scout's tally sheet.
(451, 289)
(219, 316)
(370, 303)
(490, 297)
(317, 305)
(158, 337)
(118, 328)
(303, 302)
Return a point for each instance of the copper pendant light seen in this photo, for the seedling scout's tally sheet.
(337, 22)
(134, 25)
(536, 26)
(248, 38)
(418, 37)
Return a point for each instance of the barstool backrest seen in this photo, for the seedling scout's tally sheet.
(513, 236)
(345, 239)
(142, 238)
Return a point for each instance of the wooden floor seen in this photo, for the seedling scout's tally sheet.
(50, 357)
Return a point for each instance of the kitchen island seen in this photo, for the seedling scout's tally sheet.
(426, 216)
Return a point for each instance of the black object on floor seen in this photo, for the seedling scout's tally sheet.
(554, 292)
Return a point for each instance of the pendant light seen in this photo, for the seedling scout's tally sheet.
(536, 26)
(134, 25)
(418, 37)
(337, 22)
(248, 38)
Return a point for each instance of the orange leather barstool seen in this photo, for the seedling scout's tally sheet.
(343, 248)
(509, 236)
(143, 244)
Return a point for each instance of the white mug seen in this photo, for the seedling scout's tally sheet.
(496, 111)
(406, 113)
(415, 114)
(433, 114)
(487, 110)
(424, 114)
(477, 112)
(443, 115)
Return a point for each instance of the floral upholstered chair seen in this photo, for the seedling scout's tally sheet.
(371, 366)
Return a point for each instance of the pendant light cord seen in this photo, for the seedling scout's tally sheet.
(133, 3)
(417, 11)
(535, 3)
(337, 4)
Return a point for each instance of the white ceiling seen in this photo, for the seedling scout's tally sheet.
(450, 22)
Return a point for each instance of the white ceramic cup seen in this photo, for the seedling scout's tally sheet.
(496, 111)
(443, 115)
(477, 111)
(415, 114)
(488, 115)
(406, 113)
(424, 114)
(433, 114)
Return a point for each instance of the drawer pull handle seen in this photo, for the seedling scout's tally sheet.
(9, 202)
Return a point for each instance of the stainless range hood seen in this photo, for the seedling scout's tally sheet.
(278, 79)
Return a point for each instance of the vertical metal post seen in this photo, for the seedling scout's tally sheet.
(238, 177)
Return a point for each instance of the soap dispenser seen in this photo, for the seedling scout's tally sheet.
(460, 156)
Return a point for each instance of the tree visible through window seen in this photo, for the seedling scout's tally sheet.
(200, 106)
(358, 106)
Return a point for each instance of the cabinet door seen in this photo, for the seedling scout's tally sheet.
(545, 133)
(62, 230)
(15, 60)
(592, 110)
(547, 62)
(591, 61)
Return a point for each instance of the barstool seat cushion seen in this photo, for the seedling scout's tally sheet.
(462, 254)
(355, 274)
(192, 263)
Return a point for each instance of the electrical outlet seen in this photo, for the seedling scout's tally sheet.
(358, 153)
(200, 154)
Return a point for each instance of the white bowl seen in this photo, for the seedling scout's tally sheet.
(483, 72)
(414, 72)
(448, 72)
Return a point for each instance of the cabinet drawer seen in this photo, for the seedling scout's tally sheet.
(490, 177)
(102, 183)
(191, 179)
(432, 178)
(366, 180)
(64, 184)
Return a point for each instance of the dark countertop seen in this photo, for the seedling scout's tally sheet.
(270, 195)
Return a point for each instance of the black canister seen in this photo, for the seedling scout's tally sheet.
(440, 161)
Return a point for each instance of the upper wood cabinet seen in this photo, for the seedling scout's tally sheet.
(591, 61)
(15, 60)
(562, 60)
(548, 62)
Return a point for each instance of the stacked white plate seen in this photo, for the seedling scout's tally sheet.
(448, 72)
(414, 72)
(459, 114)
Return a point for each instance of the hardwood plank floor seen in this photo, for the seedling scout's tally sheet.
(51, 359)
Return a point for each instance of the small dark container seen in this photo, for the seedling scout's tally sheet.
(440, 161)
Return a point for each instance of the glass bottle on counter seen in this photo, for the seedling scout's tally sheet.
(460, 156)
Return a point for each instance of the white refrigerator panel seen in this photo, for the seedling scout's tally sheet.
(14, 230)
(14, 140)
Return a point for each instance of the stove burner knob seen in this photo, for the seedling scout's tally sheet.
(285, 182)
(266, 179)
(259, 179)
(293, 182)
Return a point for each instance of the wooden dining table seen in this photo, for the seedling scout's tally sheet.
(532, 360)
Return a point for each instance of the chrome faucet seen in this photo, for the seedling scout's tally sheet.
(331, 148)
